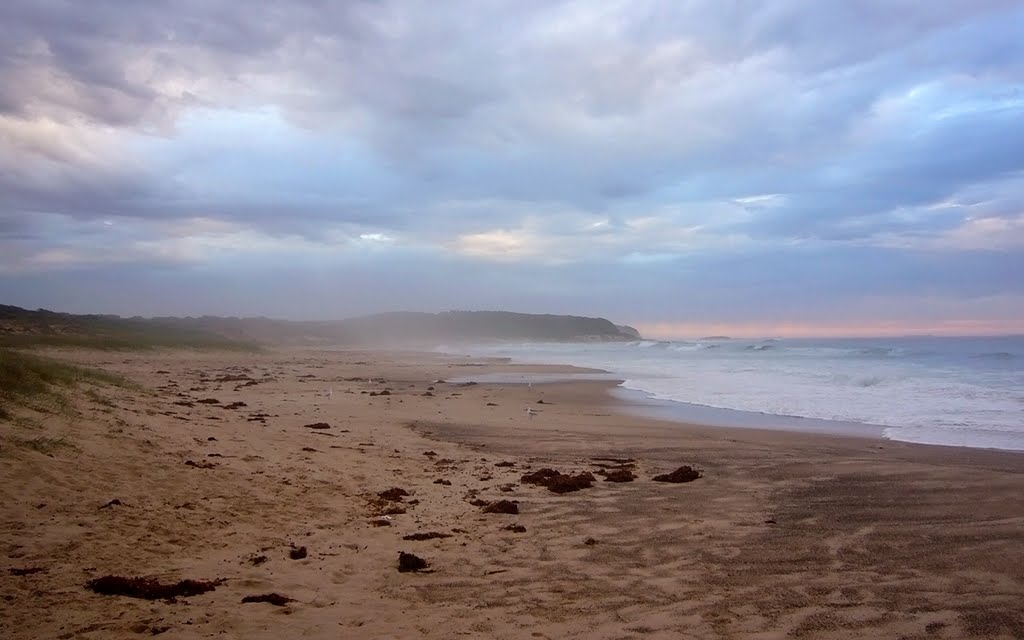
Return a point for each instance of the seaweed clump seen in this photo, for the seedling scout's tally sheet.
(685, 473)
(558, 482)
(408, 562)
(621, 474)
(275, 599)
(429, 535)
(502, 506)
(393, 495)
(150, 588)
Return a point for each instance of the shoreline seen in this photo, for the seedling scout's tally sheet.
(637, 403)
(784, 535)
(902, 394)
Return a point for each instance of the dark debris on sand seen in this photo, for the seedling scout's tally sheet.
(26, 571)
(297, 553)
(621, 474)
(410, 562)
(540, 476)
(515, 528)
(558, 482)
(429, 535)
(685, 473)
(569, 483)
(275, 599)
(200, 465)
(150, 588)
(618, 462)
(394, 494)
(317, 425)
(502, 506)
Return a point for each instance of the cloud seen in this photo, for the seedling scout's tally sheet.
(715, 149)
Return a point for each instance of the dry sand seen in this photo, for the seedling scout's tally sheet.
(786, 535)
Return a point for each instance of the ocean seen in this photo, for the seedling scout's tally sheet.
(960, 391)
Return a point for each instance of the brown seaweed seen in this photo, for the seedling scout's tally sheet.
(685, 473)
(429, 535)
(275, 599)
(502, 506)
(410, 562)
(150, 588)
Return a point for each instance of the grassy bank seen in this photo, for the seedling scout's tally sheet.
(37, 381)
(22, 328)
(127, 341)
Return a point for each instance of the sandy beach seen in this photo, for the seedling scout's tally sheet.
(265, 472)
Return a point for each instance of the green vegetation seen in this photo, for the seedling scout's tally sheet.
(23, 328)
(126, 341)
(27, 379)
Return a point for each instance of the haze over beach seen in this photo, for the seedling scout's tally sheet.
(506, 319)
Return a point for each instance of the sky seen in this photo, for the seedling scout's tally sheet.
(687, 167)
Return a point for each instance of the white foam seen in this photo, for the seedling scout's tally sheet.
(938, 393)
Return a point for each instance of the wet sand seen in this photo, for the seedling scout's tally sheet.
(785, 535)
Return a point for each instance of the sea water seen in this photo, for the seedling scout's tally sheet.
(938, 390)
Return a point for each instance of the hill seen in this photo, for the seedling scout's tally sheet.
(22, 327)
(482, 325)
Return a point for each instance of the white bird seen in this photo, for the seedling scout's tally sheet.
(530, 412)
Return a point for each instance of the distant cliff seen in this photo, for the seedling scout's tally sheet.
(482, 325)
(628, 331)
(24, 327)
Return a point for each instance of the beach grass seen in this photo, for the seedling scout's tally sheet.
(42, 444)
(37, 381)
